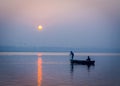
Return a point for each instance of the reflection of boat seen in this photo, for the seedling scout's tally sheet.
(82, 62)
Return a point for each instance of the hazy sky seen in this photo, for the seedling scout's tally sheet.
(66, 23)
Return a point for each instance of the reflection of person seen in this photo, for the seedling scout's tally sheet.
(72, 54)
(88, 59)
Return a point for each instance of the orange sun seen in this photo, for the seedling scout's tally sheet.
(40, 27)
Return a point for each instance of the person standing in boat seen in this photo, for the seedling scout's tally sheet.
(88, 59)
(71, 54)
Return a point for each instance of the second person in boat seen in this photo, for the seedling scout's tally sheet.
(88, 59)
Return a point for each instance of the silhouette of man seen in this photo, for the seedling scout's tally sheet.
(72, 54)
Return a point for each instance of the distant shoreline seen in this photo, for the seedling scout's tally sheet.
(59, 53)
(58, 49)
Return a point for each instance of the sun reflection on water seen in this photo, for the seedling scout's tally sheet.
(39, 70)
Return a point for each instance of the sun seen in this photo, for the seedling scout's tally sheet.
(40, 27)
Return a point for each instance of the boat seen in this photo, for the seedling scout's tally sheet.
(83, 62)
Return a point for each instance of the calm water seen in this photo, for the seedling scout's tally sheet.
(54, 69)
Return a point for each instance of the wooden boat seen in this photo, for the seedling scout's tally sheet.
(83, 62)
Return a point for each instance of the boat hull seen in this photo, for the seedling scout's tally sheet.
(83, 62)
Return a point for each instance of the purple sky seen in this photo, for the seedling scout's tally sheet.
(66, 23)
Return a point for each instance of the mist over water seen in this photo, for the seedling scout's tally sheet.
(54, 69)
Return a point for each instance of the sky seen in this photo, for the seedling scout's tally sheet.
(66, 23)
